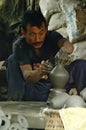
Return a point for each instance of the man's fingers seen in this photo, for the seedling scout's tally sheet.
(46, 66)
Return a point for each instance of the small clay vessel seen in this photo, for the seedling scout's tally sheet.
(59, 100)
(83, 94)
(75, 101)
(59, 76)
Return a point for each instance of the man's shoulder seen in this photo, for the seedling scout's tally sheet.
(19, 42)
(52, 36)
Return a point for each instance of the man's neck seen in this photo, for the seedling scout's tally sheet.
(38, 51)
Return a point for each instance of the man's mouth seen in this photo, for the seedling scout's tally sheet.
(37, 44)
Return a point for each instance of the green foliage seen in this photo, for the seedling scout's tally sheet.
(12, 11)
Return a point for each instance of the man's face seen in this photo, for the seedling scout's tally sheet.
(35, 36)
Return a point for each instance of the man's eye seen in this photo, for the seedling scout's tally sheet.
(42, 32)
(32, 34)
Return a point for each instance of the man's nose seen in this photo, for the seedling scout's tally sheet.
(37, 38)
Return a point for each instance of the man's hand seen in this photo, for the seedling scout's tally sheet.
(46, 66)
(61, 56)
(68, 47)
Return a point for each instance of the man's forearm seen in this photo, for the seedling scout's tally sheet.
(61, 42)
(33, 75)
(64, 43)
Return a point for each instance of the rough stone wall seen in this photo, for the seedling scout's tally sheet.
(69, 18)
(30, 3)
(75, 13)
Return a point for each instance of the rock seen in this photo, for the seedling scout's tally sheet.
(56, 21)
(76, 19)
(63, 32)
(49, 7)
(79, 50)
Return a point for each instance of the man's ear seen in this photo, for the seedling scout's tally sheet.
(22, 31)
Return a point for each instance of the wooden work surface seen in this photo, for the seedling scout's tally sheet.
(31, 110)
(68, 118)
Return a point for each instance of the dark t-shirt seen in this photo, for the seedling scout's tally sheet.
(25, 54)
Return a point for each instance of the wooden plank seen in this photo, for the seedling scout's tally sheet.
(31, 110)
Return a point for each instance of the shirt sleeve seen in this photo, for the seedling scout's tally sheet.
(56, 36)
(22, 55)
(52, 40)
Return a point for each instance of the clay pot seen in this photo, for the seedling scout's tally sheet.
(59, 76)
(59, 100)
(75, 101)
(83, 94)
(54, 92)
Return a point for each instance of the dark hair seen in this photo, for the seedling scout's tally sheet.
(34, 18)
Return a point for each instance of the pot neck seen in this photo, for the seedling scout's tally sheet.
(59, 64)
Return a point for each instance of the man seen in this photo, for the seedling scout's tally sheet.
(28, 66)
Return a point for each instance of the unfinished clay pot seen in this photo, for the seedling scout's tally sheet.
(75, 101)
(83, 94)
(59, 100)
(59, 76)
